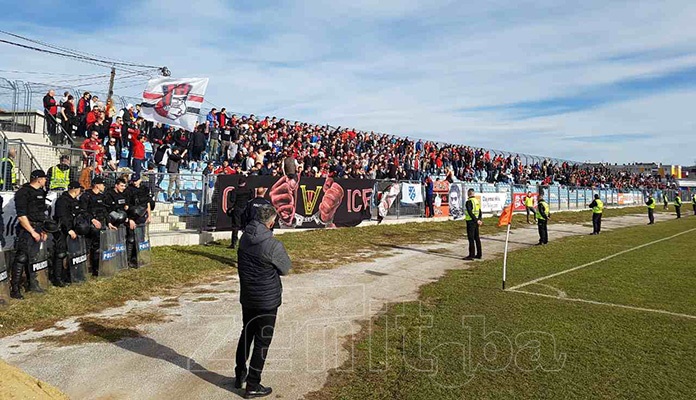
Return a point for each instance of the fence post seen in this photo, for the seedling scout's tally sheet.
(577, 198)
(559, 198)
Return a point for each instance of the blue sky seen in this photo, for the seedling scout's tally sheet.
(595, 81)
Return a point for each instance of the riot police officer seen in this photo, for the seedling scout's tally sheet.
(30, 205)
(93, 202)
(117, 200)
(250, 212)
(67, 207)
(139, 199)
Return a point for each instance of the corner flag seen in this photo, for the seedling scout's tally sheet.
(505, 216)
(506, 219)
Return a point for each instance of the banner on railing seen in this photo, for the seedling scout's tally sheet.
(303, 203)
(175, 102)
(518, 201)
(628, 199)
(491, 202)
(411, 193)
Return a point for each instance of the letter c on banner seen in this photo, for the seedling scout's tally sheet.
(356, 195)
(223, 200)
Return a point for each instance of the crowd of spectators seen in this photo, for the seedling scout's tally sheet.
(231, 144)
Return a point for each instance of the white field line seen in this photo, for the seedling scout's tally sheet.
(597, 261)
(601, 303)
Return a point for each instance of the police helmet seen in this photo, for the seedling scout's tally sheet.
(117, 218)
(51, 226)
(137, 212)
(83, 223)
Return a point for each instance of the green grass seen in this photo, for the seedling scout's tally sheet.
(178, 267)
(546, 348)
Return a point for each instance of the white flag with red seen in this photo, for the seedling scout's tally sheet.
(175, 102)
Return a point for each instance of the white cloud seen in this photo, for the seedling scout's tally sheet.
(405, 67)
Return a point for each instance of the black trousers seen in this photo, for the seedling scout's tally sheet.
(50, 123)
(694, 209)
(22, 261)
(94, 248)
(543, 231)
(530, 210)
(430, 205)
(258, 329)
(60, 252)
(678, 209)
(596, 222)
(472, 234)
(651, 215)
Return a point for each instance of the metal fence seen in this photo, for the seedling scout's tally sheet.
(28, 157)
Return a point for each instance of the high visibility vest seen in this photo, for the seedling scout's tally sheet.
(651, 203)
(599, 207)
(59, 179)
(13, 171)
(542, 206)
(476, 207)
(678, 201)
(529, 201)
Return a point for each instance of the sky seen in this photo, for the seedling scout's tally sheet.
(611, 81)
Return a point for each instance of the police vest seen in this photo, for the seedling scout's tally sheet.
(542, 206)
(529, 201)
(59, 178)
(678, 201)
(13, 171)
(476, 207)
(599, 207)
(651, 204)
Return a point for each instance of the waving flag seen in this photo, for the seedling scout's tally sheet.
(175, 102)
(505, 216)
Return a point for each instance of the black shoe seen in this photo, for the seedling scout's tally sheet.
(16, 294)
(258, 391)
(478, 257)
(239, 380)
(593, 233)
(231, 246)
(58, 284)
(468, 258)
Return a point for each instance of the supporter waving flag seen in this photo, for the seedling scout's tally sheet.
(175, 102)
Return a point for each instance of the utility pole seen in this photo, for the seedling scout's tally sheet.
(111, 84)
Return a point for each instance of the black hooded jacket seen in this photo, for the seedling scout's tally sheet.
(262, 260)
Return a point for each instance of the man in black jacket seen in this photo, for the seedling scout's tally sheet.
(262, 259)
(237, 200)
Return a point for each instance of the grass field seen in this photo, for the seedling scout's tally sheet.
(175, 268)
(467, 339)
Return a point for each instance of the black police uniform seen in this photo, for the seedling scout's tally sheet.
(251, 210)
(95, 205)
(137, 197)
(30, 203)
(116, 201)
(236, 204)
(66, 209)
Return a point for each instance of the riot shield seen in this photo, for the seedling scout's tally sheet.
(77, 259)
(38, 263)
(4, 281)
(142, 241)
(113, 252)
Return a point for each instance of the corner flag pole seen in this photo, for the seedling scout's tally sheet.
(507, 238)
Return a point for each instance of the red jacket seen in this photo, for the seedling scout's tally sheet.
(226, 171)
(91, 117)
(138, 146)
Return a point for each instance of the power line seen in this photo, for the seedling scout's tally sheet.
(67, 53)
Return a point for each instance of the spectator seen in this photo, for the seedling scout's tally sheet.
(50, 113)
(173, 164)
(68, 117)
(83, 108)
(112, 153)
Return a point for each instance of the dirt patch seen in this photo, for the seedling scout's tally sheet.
(205, 299)
(106, 330)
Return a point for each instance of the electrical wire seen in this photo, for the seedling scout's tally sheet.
(68, 52)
